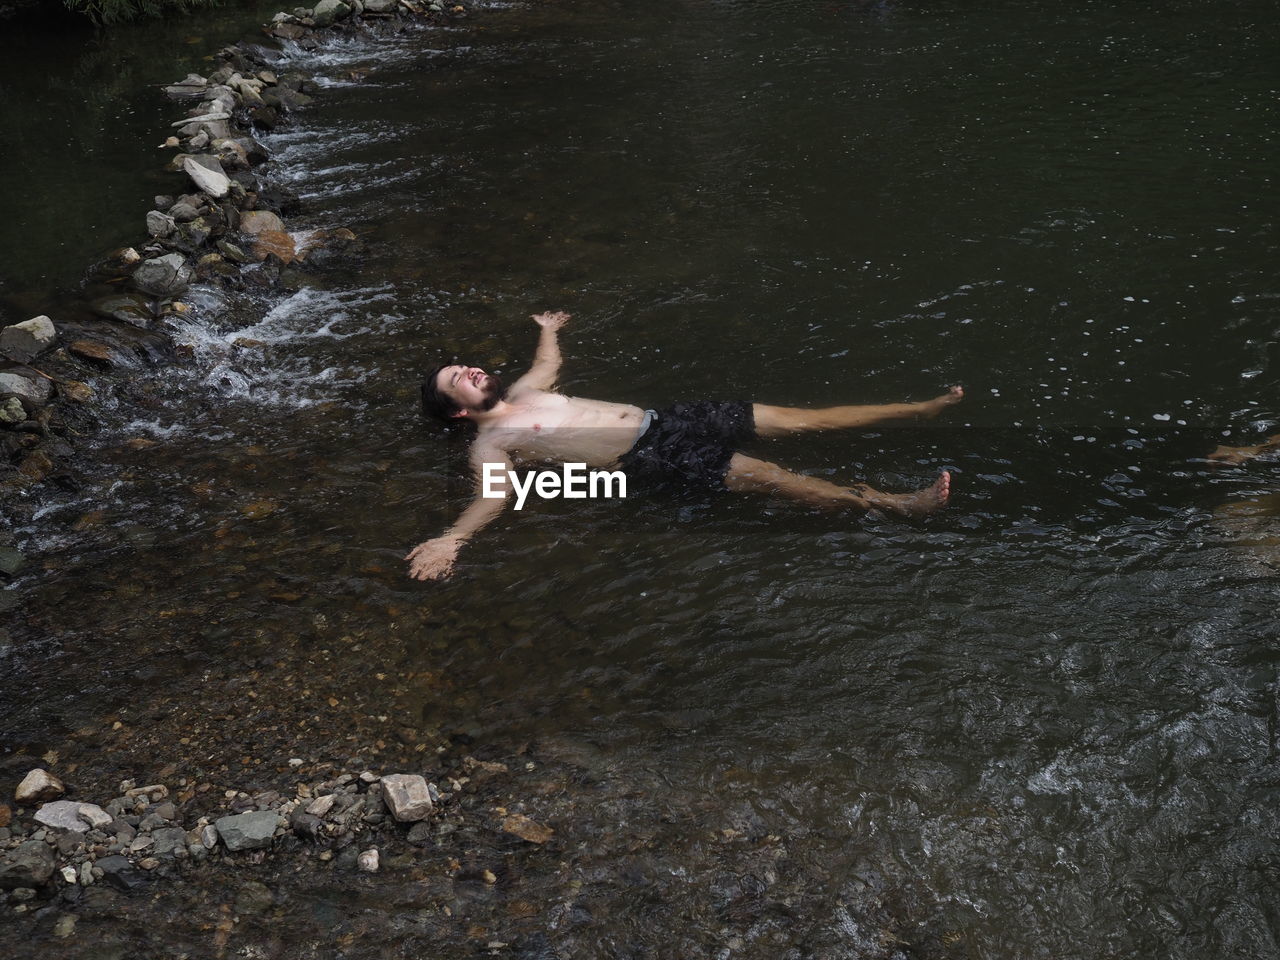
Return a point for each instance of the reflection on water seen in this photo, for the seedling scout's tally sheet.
(1040, 725)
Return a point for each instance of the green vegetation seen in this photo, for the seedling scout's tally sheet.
(117, 11)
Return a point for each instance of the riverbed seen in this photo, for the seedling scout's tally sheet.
(1040, 724)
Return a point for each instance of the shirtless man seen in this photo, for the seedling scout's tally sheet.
(689, 445)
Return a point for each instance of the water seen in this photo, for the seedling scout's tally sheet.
(1039, 725)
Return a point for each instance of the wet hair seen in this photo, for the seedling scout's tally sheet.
(435, 405)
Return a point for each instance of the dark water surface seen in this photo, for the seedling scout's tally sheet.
(1044, 722)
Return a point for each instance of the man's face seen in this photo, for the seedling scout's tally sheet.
(470, 387)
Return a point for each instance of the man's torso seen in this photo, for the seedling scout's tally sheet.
(551, 427)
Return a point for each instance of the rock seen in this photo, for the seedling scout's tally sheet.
(159, 224)
(254, 222)
(381, 6)
(167, 276)
(407, 797)
(531, 831)
(39, 785)
(165, 810)
(320, 806)
(126, 307)
(248, 831)
(85, 876)
(75, 390)
(62, 814)
(169, 840)
(368, 861)
(98, 352)
(120, 873)
(155, 792)
(36, 466)
(212, 117)
(327, 11)
(29, 865)
(27, 340)
(183, 212)
(64, 926)
(208, 836)
(96, 817)
(305, 824)
(213, 182)
(274, 242)
(11, 564)
(5, 815)
(419, 833)
(25, 383)
(232, 252)
(12, 411)
(254, 898)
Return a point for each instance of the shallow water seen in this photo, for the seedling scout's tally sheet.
(1042, 724)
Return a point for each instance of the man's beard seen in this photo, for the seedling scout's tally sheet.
(494, 391)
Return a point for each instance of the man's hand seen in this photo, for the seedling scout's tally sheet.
(551, 321)
(433, 560)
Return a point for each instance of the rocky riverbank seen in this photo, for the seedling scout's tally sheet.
(224, 227)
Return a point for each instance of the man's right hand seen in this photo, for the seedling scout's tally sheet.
(551, 321)
(434, 559)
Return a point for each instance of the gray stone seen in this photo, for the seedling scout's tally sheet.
(26, 383)
(27, 340)
(327, 11)
(381, 6)
(320, 806)
(254, 898)
(407, 797)
(209, 836)
(38, 785)
(11, 561)
(213, 182)
(248, 831)
(63, 814)
(95, 815)
(167, 276)
(120, 873)
(159, 224)
(29, 865)
(169, 840)
(367, 862)
(183, 212)
(419, 833)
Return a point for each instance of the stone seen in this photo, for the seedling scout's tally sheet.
(27, 340)
(165, 810)
(327, 11)
(232, 252)
(85, 877)
(320, 806)
(25, 383)
(203, 118)
(169, 840)
(367, 862)
(274, 243)
(11, 564)
(126, 307)
(381, 6)
(254, 222)
(306, 825)
(248, 831)
(406, 796)
(68, 874)
(213, 182)
(12, 411)
(62, 814)
(29, 865)
(96, 817)
(254, 898)
(39, 785)
(183, 212)
(120, 873)
(64, 926)
(419, 833)
(5, 815)
(208, 836)
(528, 830)
(159, 224)
(167, 276)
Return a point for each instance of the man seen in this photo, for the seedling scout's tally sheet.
(687, 446)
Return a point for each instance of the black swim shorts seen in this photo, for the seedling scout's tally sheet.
(687, 447)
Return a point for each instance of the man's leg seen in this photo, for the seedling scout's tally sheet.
(748, 475)
(776, 421)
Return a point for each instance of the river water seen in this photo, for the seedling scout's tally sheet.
(1041, 724)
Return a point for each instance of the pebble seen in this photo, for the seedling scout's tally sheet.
(39, 785)
(368, 861)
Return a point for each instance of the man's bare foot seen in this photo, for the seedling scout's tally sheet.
(923, 502)
(935, 406)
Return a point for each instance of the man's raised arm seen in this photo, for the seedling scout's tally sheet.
(546, 362)
(433, 560)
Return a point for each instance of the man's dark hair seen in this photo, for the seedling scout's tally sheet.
(434, 403)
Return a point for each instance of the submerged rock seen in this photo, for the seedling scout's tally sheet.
(11, 564)
(254, 222)
(120, 873)
(126, 307)
(27, 340)
(39, 785)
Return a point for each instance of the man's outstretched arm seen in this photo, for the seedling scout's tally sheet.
(546, 362)
(433, 560)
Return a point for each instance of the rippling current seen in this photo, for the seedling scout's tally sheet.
(1044, 721)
